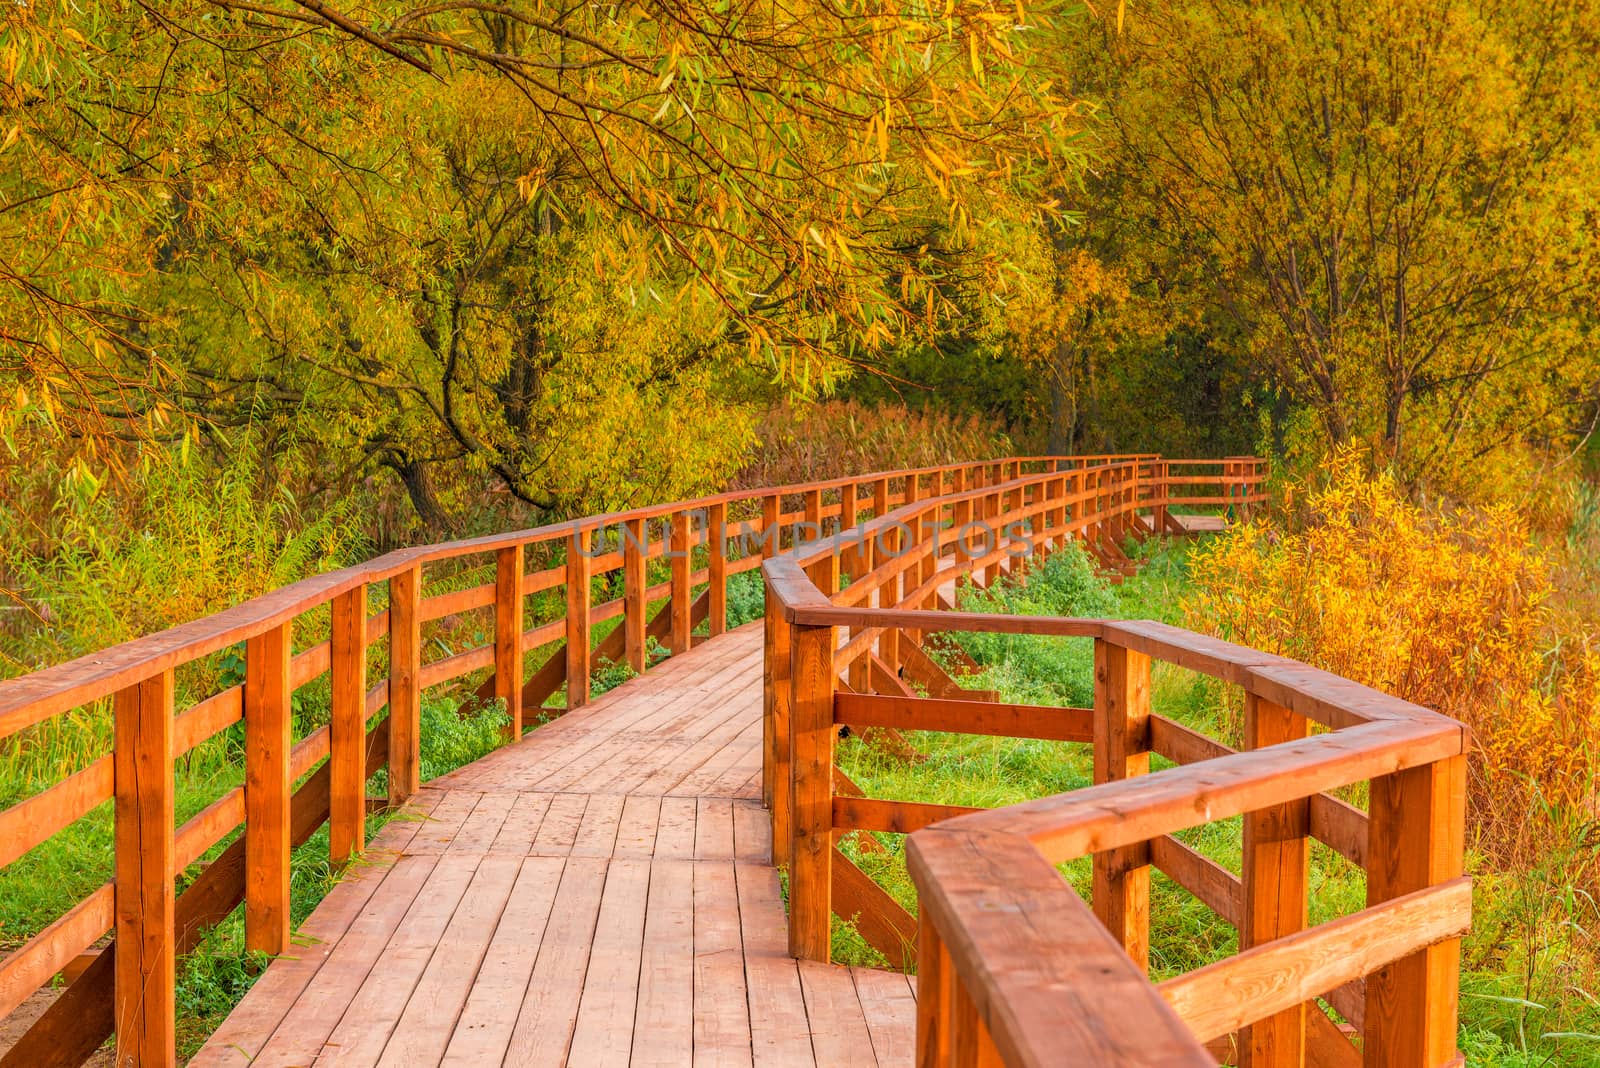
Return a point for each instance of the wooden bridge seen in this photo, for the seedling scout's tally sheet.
(605, 889)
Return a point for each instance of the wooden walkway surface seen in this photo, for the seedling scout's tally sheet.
(598, 894)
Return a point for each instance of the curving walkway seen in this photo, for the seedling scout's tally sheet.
(599, 893)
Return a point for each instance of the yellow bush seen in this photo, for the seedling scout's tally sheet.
(1451, 610)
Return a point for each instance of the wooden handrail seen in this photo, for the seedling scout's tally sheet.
(1014, 967)
(1049, 497)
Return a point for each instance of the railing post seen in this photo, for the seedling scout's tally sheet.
(405, 695)
(847, 506)
(508, 567)
(579, 655)
(267, 740)
(347, 726)
(634, 581)
(1162, 490)
(1277, 887)
(681, 606)
(935, 989)
(778, 694)
(1121, 751)
(813, 513)
(145, 950)
(1416, 838)
(811, 738)
(771, 526)
(880, 498)
(717, 567)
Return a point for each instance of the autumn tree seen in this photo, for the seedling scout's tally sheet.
(495, 240)
(1395, 205)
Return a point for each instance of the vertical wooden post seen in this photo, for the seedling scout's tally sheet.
(347, 727)
(681, 543)
(885, 547)
(267, 741)
(858, 559)
(880, 497)
(508, 566)
(847, 506)
(1416, 838)
(634, 582)
(1122, 750)
(579, 571)
(717, 568)
(913, 491)
(145, 958)
(1162, 490)
(771, 526)
(811, 737)
(405, 695)
(813, 513)
(935, 990)
(993, 513)
(1277, 887)
(775, 771)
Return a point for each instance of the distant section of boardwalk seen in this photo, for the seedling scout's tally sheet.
(598, 894)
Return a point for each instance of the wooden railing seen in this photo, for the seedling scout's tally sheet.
(1015, 968)
(326, 627)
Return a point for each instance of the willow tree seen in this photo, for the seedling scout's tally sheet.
(1394, 203)
(476, 234)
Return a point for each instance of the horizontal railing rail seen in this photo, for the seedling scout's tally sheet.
(361, 631)
(1014, 967)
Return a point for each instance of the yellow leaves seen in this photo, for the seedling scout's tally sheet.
(11, 138)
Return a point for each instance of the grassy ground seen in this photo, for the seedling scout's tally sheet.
(1500, 1027)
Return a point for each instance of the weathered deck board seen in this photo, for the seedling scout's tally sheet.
(597, 894)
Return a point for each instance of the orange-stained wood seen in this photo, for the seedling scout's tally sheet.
(579, 653)
(347, 727)
(267, 743)
(144, 999)
(1122, 751)
(508, 569)
(811, 738)
(405, 691)
(1277, 888)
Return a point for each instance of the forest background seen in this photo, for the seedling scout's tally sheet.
(284, 285)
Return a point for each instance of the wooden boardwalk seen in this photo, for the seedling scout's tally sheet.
(598, 894)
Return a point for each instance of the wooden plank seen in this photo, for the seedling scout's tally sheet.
(965, 717)
(142, 751)
(636, 830)
(877, 917)
(713, 836)
(579, 663)
(890, 1012)
(371, 1015)
(405, 693)
(721, 1008)
(597, 832)
(1268, 979)
(896, 817)
(25, 825)
(675, 829)
(521, 825)
(1213, 885)
(545, 1020)
(421, 1034)
(483, 1030)
(603, 1035)
(267, 722)
(811, 740)
(935, 993)
(779, 1031)
(839, 1033)
(347, 726)
(664, 1013)
(1277, 886)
